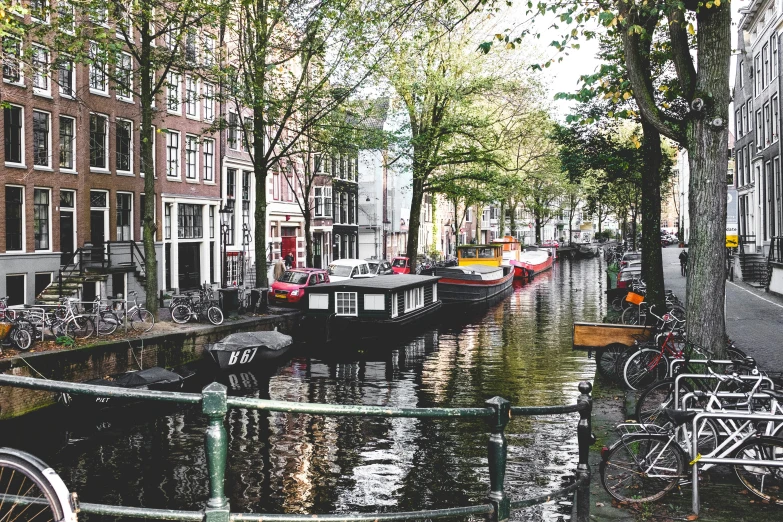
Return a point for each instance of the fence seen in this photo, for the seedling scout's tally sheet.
(215, 403)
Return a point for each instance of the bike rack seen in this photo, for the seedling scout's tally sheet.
(713, 377)
(719, 460)
(675, 362)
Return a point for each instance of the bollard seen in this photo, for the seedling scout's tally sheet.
(584, 434)
(214, 406)
(497, 452)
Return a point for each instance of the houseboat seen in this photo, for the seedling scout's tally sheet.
(478, 276)
(367, 308)
(536, 260)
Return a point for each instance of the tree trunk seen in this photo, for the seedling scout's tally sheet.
(260, 171)
(417, 194)
(633, 229)
(147, 153)
(434, 246)
(538, 230)
(308, 238)
(479, 215)
(600, 220)
(652, 261)
(513, 218)
(502, 219)
(707, 136)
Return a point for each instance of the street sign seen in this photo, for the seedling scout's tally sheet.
(732, 212)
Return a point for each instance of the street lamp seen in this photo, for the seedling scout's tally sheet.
(226, 215)
(386, 225)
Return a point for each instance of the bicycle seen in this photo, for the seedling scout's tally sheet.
(140, 319)
(62, 321)
(29, 489)
(184, 312)
(16, 332)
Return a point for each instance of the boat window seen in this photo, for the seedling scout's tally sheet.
(400, 262)
(340, 270)
(374, 302)
(486, 253)
(468, 253)
(346, 303)
(297, 278)
(319, 301)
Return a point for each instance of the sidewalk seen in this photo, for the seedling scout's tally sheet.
(754, 318)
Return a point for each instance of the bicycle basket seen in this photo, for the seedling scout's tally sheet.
(634, 298)
(4, 329)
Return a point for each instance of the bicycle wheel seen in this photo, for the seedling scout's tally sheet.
(642, 468)
(644, 368)
(678, 312)
(107, 322)
(606, 359)
(29, 327)
(181, 313)
(22, 339)
(30, 490)
(215, 315)
(631, 315)
(766, 482)
(656, 398)
(617, 304)
(80, 327)
(142, 321)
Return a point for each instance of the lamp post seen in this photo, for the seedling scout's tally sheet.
(226, 215)
(386, 224)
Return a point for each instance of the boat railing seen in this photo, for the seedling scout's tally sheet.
(215, 404)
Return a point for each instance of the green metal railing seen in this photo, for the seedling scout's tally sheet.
(215, 403)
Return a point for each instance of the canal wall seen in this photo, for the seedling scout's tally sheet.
(170, 348)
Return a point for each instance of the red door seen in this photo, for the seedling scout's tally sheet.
(288, 244)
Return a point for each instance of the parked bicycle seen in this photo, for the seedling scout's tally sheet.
(193, 309)
(139, 318)
(16, 331)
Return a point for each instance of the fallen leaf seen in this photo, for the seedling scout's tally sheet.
(693, 516)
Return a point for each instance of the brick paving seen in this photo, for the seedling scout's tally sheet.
(754, 318)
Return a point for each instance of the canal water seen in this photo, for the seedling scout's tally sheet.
(518, 348)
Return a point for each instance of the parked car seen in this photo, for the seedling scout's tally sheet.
(289, 289)
(342, 269)
(401, 265)
(628, 257)
(627, 275)
(379, 266)
(550, 243)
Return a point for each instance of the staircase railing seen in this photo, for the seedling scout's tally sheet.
(70, 267)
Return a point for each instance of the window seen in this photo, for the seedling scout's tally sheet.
(65, 15)
(276, 186)
(345, 303)
(67, 143)
(98, 141)
(189, 221)
(98, 83)
(765, 65)
(757, 75)
(41, 139)
(319, 201)
(773, 45)
(745, 118)
(41, 218)
(99, 14)
(142, 209)
(191, 96)
(231, 183)
(66, 77)
(167, 221)
(740, 167)
(759, 131)
(212, 222)
(14, 218)
(39, 11)
(12, 71)
(233, 130)
(414, 298)
(40, 67)
(123, 25)
(124, 84)
(190, 47)
(13, 118)
(774, 119)
(434, 292)
(209, 50)
(343, 208)
(468, 215)
(172, 87)
(124, 148)
(142, 161)
(767, 125)
(247, 142)
(327, 201)
(738, 124)
(172, 154)
(15, 287)
(124, 216)
(319, 302)
(246, 197)
(374, 302)
(191, 152)
(209, 101)
(394, 305)
(208, 149)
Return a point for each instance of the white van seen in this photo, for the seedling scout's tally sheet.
(342, 269)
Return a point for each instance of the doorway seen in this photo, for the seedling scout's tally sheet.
(66, 237)
(189, 266)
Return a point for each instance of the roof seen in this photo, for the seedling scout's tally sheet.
(479, 246)
(388, 282)
(479, 269)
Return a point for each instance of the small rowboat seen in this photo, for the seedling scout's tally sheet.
(248, 348)
(534, 261)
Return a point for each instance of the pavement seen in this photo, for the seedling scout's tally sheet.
(754, 318)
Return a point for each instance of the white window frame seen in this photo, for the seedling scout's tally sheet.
(105, 168)
(238, 131)
(130, 170)
(71, 92)
(208, 56)
(132, 208)
(318, 302)
(434, 292)
(775, 108)
(177, 160)
(95, 71)
(129, 90)
(48, 14)
(375, 302)
(23, 143)
(17, 57)
(48, 165)
(318, 200)
(209, 101)
(191, 102)
(173, 79)
(414, 299)
(38, 74)
(208, 144)
(394, 306)
(60, 5)
(72, 168)
(352, 297)
(49, 227)
(191, 140)
(24, 217)
(757, 74)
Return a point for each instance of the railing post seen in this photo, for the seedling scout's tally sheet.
(216, 446)
(497, 452)
(584, 434)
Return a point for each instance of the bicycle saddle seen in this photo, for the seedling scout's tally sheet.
(679, 417)
(775, 394)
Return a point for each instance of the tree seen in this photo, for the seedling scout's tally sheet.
(159, 37)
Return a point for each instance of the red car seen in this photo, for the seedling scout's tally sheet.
(289, 289)
(401, 265)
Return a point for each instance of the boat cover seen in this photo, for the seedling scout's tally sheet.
(272, 340)
(137, 379)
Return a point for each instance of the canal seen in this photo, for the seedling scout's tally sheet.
(519, 348)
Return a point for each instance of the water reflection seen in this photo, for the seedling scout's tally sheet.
(519, 348)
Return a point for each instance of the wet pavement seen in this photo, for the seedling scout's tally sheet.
(519, 348)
